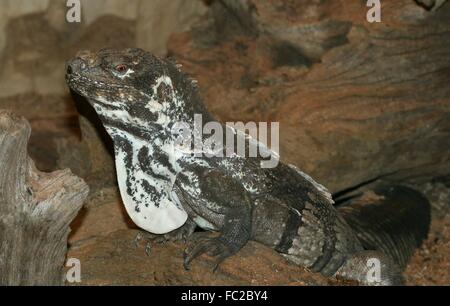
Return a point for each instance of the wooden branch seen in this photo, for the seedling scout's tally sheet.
(36, 209)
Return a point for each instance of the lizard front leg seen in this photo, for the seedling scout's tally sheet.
(224, 199)
(235, 234)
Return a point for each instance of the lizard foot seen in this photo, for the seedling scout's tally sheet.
(158, 239)
(148, 237)
(179, 235)
(215, 247)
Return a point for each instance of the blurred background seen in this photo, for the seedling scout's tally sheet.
(356, 101)
(36, 41)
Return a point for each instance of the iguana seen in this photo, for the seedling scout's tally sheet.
(165, 189)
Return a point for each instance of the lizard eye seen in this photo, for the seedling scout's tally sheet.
(121, 68)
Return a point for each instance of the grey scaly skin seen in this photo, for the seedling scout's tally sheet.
(138, 98)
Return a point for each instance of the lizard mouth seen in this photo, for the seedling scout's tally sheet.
(78, 81)
(75, 81)
(92, 88)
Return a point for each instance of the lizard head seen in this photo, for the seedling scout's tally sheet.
(132, 87)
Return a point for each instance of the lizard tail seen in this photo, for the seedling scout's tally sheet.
(392, 219)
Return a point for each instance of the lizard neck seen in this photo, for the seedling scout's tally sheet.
(154, 152)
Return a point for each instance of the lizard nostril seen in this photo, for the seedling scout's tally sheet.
(69, 69)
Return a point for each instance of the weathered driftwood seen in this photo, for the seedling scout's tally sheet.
(36, 209)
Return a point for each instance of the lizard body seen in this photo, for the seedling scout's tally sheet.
(138, 98)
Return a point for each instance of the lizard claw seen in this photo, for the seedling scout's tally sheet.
(137, 239)
(148, 248)
(159, 239)
(211, 246)
(180, 234)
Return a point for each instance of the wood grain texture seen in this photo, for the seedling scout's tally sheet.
(355, 100)
(36, 209)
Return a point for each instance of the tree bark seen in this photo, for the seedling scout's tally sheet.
(36, 209)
